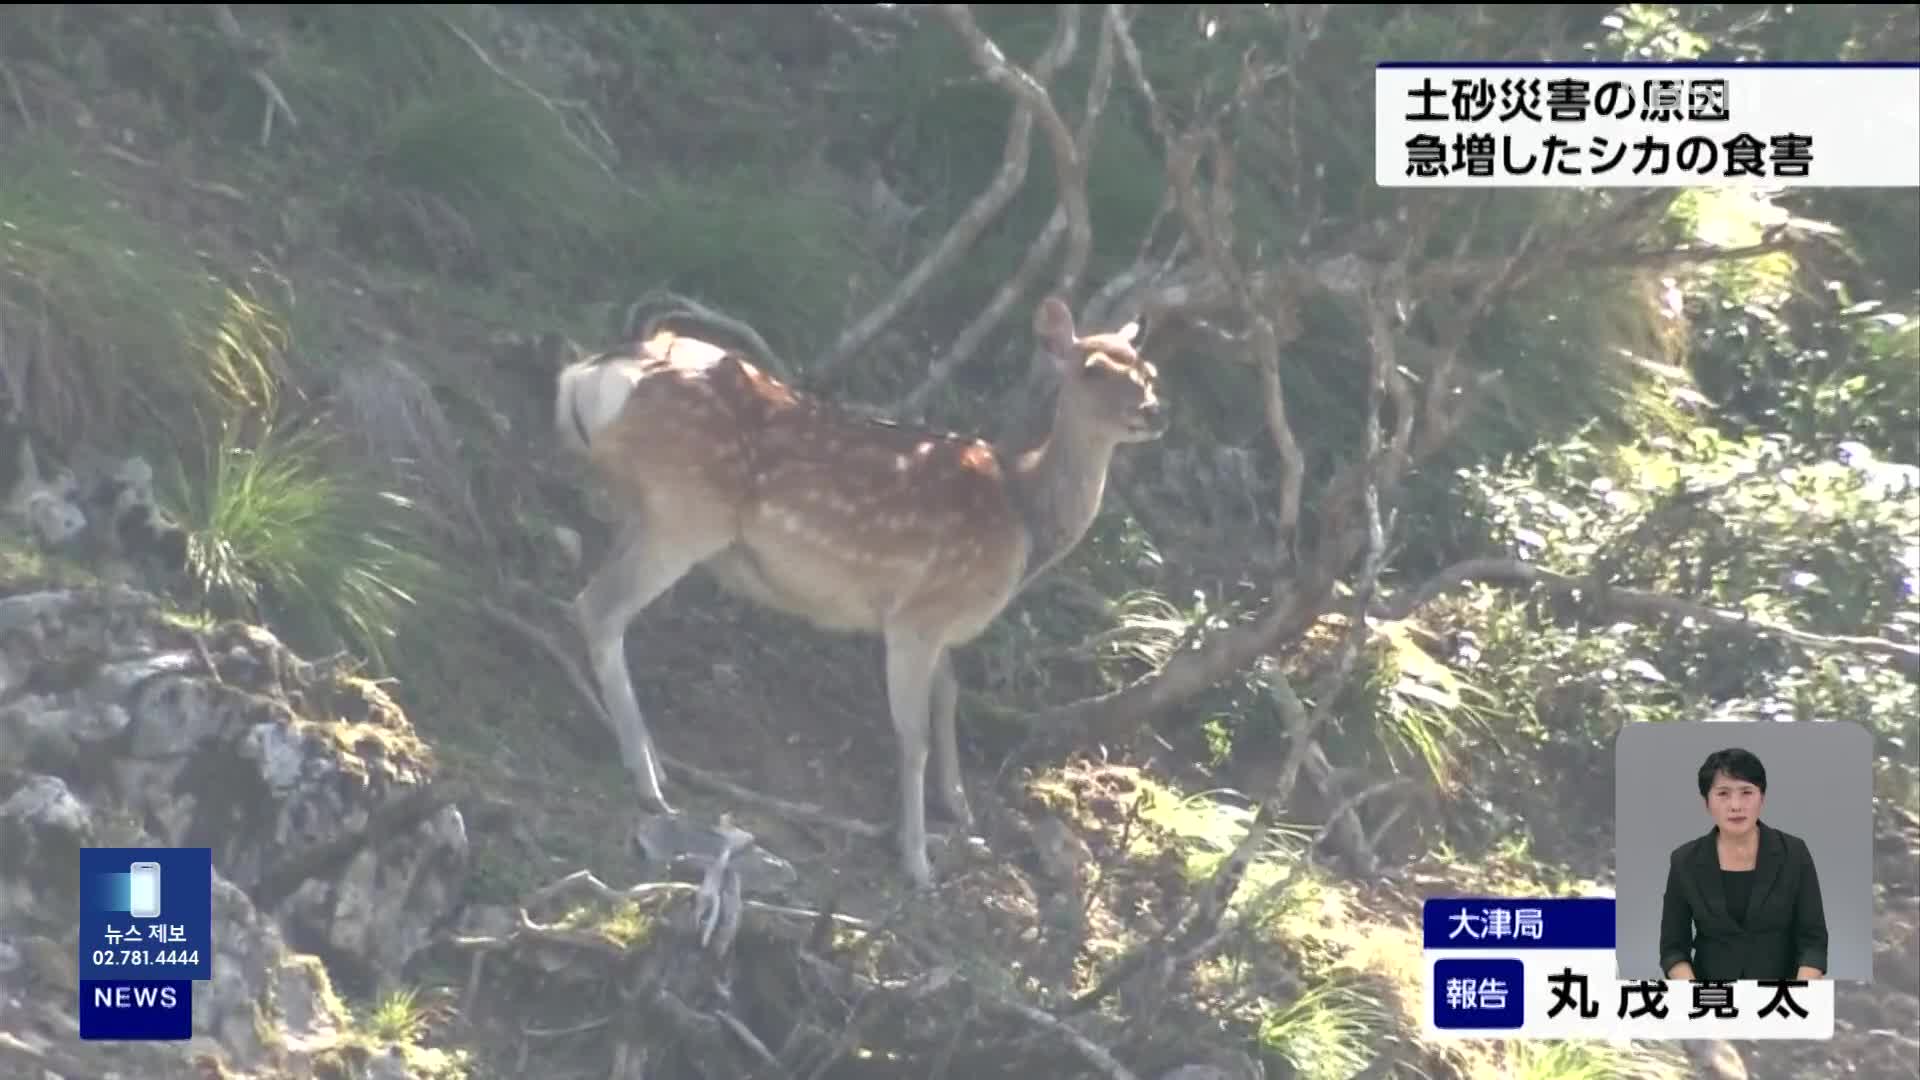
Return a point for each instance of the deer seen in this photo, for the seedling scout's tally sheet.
(852, 523)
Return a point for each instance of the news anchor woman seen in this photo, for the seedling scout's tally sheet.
(1742, 901)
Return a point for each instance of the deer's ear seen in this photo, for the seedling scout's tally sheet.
(1130, 333)
(1054, 325)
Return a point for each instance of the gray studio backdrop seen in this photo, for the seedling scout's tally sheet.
(1819, 787)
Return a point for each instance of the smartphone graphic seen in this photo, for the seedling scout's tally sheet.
(143, 893)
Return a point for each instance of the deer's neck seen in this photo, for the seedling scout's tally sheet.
(1058, 487)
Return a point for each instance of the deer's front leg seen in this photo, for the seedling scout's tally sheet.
(642, 565)
(911, 663)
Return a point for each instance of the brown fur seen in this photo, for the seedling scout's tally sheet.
(854, 524)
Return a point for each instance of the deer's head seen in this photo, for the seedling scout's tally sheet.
(1102, 378)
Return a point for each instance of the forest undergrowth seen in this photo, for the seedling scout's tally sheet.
(309, 261)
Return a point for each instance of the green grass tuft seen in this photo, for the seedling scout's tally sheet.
(1592, 1061)
(277, 533)
(1330, 1031)
(397, 1017)
(115, 323)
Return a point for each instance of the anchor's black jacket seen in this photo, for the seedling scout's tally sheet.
(1785, 924)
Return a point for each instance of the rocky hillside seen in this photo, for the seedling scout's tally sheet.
(289, 540)
(340, 863)
(124, 726)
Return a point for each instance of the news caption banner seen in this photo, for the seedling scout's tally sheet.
(146, 936)
(1502, 968)
(1647, 124)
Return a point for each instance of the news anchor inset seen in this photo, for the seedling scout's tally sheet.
(1743, 901)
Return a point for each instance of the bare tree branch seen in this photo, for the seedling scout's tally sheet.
(19, 99)
(876, 1002)
(800, 921)
(1457, 290)
(1302, 725)
(1184, 152)
(1096, 1055)
(1038, 253)
(1351, 803)
(792, 925)
(1388, 378)
(1069, 163)
(1297, 600)
(1576, 250)
(1640, 603)
(1196, 289)
(1211, 232)
(1293, 464)
(975, 332)
(1188, 937)
(1189, 673)
(999, 191)
(557, 107)
(254, 56)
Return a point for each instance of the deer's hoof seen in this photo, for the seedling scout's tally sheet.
(921, 877)
(918, 870)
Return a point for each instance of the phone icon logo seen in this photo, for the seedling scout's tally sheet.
(143, 892)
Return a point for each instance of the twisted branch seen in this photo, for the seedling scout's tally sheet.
(794, 925)
(1636, 603)
(229, 27)
(1043, 247)
(1211, 231)
(990, 202)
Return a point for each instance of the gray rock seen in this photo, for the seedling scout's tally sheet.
(310, 787)
(1717, 1059)
(1226, 1065)
(43, 804)
(266, 1009)
(270, 761)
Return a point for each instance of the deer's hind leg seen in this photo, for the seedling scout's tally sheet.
(650, 553)
(943, 702)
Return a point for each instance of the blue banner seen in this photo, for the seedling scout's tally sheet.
(1503, 924)
(144, 1009)
(146, 913)
(1479, 994)
(146, 935)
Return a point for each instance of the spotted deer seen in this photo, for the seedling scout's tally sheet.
(851, 523)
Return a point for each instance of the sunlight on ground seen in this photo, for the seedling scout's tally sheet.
(1354, 950)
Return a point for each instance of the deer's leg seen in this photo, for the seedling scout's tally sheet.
(911, 662)
(945, 698)
(636, 571)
